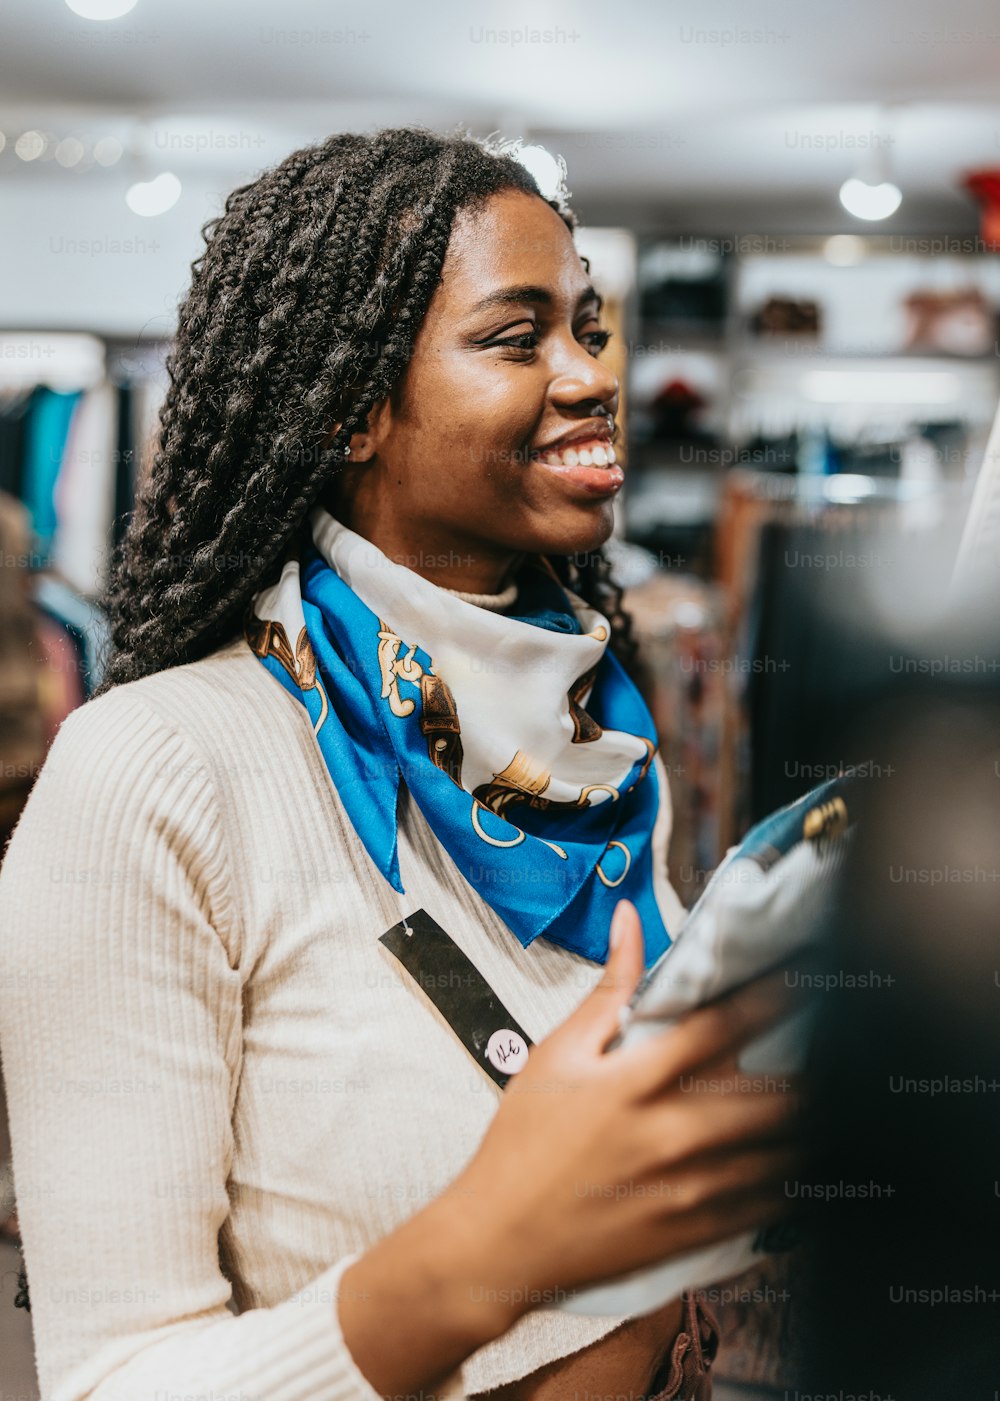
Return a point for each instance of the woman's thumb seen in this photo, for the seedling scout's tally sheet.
(626, 960)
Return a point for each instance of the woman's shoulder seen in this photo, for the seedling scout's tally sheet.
(227, 682)
(222, 705)
(171, 740)
(136, 784)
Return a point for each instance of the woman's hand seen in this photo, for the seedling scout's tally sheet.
(597, 1163)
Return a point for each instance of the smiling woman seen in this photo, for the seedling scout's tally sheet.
(384, 473)
(499, 443)
(368, 297)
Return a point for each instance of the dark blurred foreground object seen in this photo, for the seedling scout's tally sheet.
(893, 1289)
(902, 1202)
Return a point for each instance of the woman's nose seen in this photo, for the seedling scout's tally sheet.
(583, 376)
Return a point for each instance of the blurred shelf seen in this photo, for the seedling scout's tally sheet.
(795, 355)
(776, 385)
(684, 335)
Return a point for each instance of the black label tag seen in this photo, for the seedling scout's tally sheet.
(494, 1039)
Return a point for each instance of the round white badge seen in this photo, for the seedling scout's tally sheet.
(507, 1050)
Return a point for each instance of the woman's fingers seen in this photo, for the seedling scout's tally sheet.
(596, 1018)
(709, 1033)
(713, 1121)
(719, 1180)
(711, 1200)
(743, 1211)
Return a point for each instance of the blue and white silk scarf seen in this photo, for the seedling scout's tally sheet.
(523, 741)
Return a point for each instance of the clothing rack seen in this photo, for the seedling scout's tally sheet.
(77, 411)
(797, 555)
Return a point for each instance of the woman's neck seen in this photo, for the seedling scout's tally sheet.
(495, 602)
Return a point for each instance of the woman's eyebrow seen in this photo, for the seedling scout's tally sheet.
(506, 296)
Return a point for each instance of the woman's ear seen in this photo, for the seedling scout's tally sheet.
(364, 445)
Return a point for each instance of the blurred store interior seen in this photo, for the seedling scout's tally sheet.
(793, 213)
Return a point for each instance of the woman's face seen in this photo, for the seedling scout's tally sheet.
(451, 477)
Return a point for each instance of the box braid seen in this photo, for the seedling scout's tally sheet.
(302, 312)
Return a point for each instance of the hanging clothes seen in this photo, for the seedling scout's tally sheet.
(72, 456)
(679, 622)
(15, 412)
(85, 492)
(124, 463)
(777, 538)
(22, 738)
(48, 429)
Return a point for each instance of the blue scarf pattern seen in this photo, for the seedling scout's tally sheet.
(382, 711)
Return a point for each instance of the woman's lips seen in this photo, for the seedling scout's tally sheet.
(589, 465)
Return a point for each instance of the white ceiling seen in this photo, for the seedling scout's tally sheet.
(612, 66)
(698, 115)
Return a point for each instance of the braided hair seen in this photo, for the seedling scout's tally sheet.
(302, 313)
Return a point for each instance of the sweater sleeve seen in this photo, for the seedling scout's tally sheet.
(121, 1036)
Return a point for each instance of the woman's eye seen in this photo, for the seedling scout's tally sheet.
(597, 340)
(528, 340)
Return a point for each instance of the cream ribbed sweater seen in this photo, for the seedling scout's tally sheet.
(222, 1088)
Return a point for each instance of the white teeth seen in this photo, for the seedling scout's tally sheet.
(599, 455)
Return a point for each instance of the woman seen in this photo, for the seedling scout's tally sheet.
(220, 1080)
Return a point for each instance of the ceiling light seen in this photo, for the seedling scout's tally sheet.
(69, 151)
(30, 145)
(871, 193)
(152, 197)
(108, 150)
(867, 201)
(101, 9)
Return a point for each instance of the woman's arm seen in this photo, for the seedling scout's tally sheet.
(121, 1033)
(446, 1282)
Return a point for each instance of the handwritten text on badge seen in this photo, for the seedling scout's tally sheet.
(507, 1051)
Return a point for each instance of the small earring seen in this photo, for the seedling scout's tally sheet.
(347, 450)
